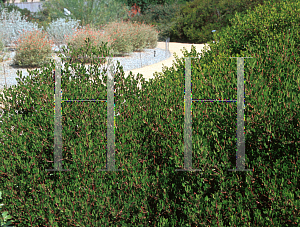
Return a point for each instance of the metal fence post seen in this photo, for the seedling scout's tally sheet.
(167, 45)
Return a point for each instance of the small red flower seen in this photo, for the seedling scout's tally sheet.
(134, 10)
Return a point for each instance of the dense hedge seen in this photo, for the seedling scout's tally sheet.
(196, 20)
(149, 138)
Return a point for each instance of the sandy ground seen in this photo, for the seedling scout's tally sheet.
(148, 71)
(174, 47)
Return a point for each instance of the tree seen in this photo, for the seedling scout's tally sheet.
(93, 12)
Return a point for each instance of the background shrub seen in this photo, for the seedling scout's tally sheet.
(12, 25)
(25, 13)
(78, 40)
(131, 36)
(33, 49)
(161, 16)
(43, 17)
(196, 20)
(252, 30)
(58, 30)
(144, 4)
(11, 7)
(1, 43)
(95, 13)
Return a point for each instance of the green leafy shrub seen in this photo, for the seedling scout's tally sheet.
(123, 37)
(1, 44)
(251, 30)
(81, 53)
(41, 19)
(2, 54)
(4, 217)
(111, 11)
(149, 139)
(33, 49)
(144, 4)
(194, 20)
(128, 37)
(78, 39)
(44, 18)
(44, 82)
(198, 18)
(161, 16)
(96, 13)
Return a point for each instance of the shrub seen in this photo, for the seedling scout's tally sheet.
(269, 34)
(12, 25)
(129, 37)
(198, 18)
(43, 18)
(149, 139)
(58, 30)
(132, 37)
(2, 53)
(78, 39)
(161, 17)
(11, 7)
(1, 43)
(98, 14)
(252, 30)
(33, 49)
(144, 4)
(4, 217)
(113, 11)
